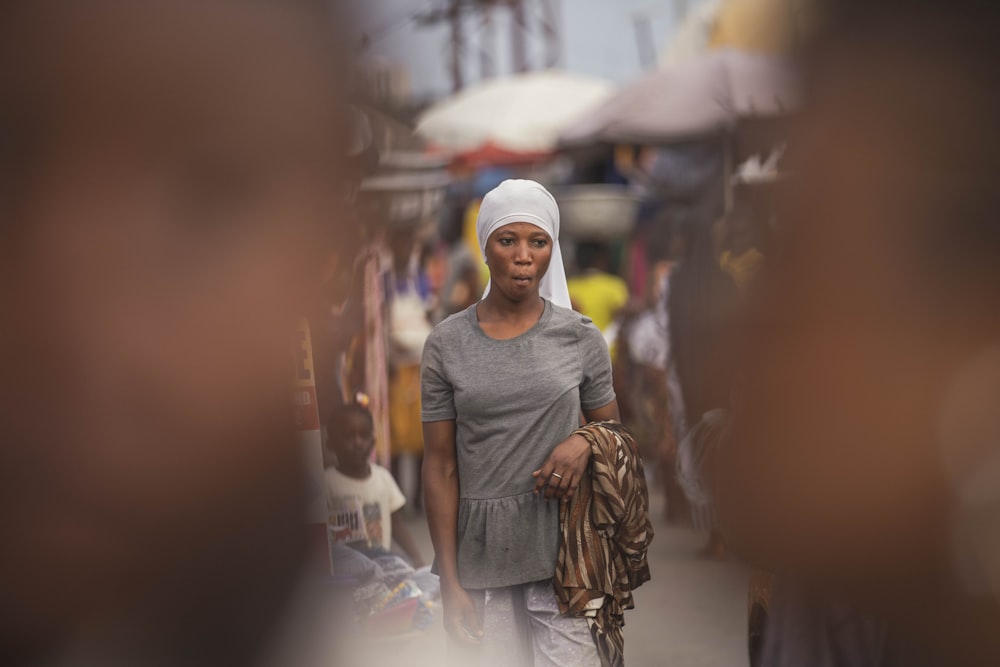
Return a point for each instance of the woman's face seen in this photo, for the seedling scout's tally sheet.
(518, 255)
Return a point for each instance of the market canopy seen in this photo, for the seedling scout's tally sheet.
(523, 113)
(692, 100)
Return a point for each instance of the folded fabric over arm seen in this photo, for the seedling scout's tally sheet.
(605, 533)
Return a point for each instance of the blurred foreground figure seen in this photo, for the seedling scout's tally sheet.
(865, 465)
(168, 171)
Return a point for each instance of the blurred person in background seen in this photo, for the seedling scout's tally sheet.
(409, 327)
(864, 461)
(364, 500)
(169, 184)
(644, 366)
(703, 306)
(595, 291)
(339, 318)
(741, 257)
(464, 282)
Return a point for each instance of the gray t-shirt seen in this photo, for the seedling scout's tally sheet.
(512, 401)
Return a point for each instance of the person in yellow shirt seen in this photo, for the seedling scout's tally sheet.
(596, 292)
(741, 259)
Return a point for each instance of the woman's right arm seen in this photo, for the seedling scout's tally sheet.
(440, 476)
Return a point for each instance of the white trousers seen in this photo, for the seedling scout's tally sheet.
(522, 627)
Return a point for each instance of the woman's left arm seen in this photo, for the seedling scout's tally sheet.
(561, 473)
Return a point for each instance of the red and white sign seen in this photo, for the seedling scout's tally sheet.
(311, 441)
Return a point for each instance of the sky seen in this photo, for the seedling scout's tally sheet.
(598, 38)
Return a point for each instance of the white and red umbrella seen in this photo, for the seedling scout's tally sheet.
(523, 113)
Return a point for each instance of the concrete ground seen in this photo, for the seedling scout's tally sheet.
(692, 613)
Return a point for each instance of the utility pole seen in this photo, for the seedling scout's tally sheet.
(450, 13)
(454, 13)
(487, 42)
(518, 45)
(644, 39)
(680, 10)
(550, 32)
(457, 44)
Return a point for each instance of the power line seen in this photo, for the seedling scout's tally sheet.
(454, 13)
(389, 27)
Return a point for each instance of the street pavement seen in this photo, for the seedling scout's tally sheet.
(692, 613)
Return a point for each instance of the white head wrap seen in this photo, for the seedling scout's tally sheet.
(517, 200)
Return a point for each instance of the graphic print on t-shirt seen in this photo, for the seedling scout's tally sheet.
(352, 521)
(347, 520)
(373, 523)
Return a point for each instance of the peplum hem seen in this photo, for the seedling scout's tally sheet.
(507, 541)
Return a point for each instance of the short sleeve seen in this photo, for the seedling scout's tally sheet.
(597, 388)
(437, 396)
(395, 497)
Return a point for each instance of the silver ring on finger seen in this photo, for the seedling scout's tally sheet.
(555, 474)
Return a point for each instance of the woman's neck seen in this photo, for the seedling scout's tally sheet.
(500, 307)
(500, 317)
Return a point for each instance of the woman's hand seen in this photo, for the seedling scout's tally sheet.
(562, 472)
(461, 620)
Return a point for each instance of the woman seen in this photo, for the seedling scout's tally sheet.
(703, 310)
(503, 386)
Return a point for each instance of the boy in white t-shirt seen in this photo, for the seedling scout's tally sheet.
(363, 498)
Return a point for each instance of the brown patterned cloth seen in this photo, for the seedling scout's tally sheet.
(605, 534)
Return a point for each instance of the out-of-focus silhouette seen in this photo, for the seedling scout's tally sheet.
(864, 459)
(169, 186)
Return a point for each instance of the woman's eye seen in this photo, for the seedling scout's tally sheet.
(540, 243)
(506, 242)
